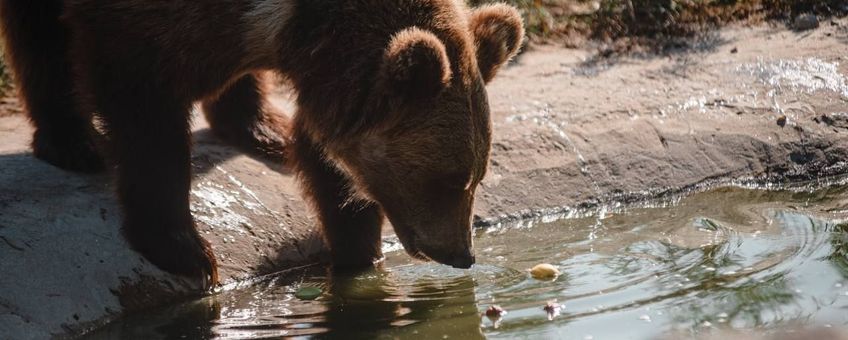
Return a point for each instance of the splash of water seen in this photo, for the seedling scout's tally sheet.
(800, 76)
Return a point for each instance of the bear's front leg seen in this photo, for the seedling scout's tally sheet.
(351, 227)
(151, 139)
(242, 117)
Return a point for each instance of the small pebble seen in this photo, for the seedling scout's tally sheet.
(806, 21)
(781, 121)
(544, 271)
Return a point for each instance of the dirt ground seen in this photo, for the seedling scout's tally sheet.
(572, 130)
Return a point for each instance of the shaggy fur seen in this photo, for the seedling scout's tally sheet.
(392, 113)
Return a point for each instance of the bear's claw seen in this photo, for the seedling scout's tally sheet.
(182, 253)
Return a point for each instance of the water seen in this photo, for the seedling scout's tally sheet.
(724, 260)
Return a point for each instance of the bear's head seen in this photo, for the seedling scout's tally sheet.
(428, 150)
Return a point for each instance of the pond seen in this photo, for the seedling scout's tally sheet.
(729, 259)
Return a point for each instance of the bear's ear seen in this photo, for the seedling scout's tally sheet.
(415, 66)
(498, 33)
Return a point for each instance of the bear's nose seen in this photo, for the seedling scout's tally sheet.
(462, 261)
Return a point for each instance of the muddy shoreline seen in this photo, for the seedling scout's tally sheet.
(572, 131)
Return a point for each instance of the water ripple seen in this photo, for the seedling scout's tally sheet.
(723, 259)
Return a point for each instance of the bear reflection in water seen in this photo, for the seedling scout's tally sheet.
(371, 304)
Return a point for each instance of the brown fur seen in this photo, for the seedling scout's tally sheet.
(242, 117)
(497, 35)
(37, 48)
(392, 114)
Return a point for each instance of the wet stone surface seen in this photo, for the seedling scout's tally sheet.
(65, 268)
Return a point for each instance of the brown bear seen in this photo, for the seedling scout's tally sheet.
(392, 115)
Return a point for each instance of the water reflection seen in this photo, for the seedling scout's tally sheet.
(728, 259)
(425, 301)
(405, 301)
(839, 242)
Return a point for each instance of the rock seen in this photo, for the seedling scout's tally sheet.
(65, 268)
(837, 120)
(806, 21)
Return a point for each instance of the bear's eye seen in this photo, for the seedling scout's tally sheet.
(455, 180)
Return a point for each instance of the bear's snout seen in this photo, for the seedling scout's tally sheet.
(463, 261)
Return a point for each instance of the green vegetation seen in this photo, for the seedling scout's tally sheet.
(614, 19)
(5, 79)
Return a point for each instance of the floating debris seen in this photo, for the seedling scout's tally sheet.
(544, 271)
(495, 313)
(552, 308)
(308, 293)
